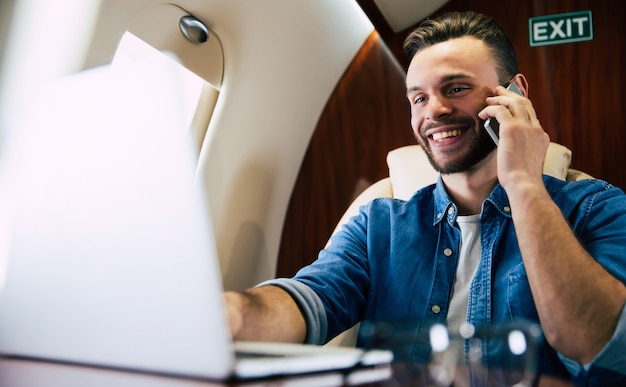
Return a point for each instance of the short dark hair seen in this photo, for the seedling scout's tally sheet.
(459, 24)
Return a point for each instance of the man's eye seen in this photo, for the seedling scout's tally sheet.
(455, 90)
(418, 100)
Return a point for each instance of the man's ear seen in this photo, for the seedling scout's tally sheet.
(522, 83)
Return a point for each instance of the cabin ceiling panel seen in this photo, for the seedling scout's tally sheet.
(402, 14)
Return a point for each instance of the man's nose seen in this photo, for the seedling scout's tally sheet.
(437, 108)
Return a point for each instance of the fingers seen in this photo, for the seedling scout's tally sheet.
(507, 106)
(523, 142)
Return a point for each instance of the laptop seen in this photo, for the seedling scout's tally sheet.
(111, 256)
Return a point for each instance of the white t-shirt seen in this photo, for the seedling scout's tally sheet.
(469, 258)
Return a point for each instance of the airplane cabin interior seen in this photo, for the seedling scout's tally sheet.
(294, 110)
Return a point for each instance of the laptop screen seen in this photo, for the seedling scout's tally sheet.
(111, 259)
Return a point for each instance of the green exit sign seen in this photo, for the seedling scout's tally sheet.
(560, 28)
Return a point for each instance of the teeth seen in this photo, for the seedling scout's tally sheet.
(442, 135)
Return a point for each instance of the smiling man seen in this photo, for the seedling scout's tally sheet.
(492, 242)
(444, 105)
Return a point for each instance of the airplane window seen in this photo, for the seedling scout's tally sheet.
(199, 96)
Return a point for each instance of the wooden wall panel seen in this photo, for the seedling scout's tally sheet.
(366, 116)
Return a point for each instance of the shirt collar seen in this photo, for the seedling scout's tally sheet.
(445, 208)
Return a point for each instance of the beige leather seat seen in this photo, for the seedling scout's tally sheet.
(409, 170)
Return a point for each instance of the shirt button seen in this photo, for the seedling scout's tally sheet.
(507, 209)
(439, 216)
(436, 309)
(447, 252)
(450, 211)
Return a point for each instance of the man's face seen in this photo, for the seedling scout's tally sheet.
(447, 85)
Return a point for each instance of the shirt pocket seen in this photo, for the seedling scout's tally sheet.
(519, 298)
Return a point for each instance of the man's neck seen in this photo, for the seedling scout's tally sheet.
(469, 189)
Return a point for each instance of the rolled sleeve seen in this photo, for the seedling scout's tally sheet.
(610, 362)
(310, 305)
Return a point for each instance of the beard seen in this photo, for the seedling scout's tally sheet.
(480, 147)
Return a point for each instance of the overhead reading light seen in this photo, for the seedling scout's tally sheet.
(170, 29)
(193, 29)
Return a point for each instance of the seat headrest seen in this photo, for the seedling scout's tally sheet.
(410, 170)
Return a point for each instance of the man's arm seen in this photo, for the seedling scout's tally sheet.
(578, 301)
(265, 313)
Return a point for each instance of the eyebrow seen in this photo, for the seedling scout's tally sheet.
(444, 79)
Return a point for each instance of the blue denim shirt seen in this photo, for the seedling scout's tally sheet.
(396, 261)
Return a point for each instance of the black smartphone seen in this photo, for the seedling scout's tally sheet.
(492, 125)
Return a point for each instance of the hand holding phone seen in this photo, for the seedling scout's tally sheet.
(492, 125)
